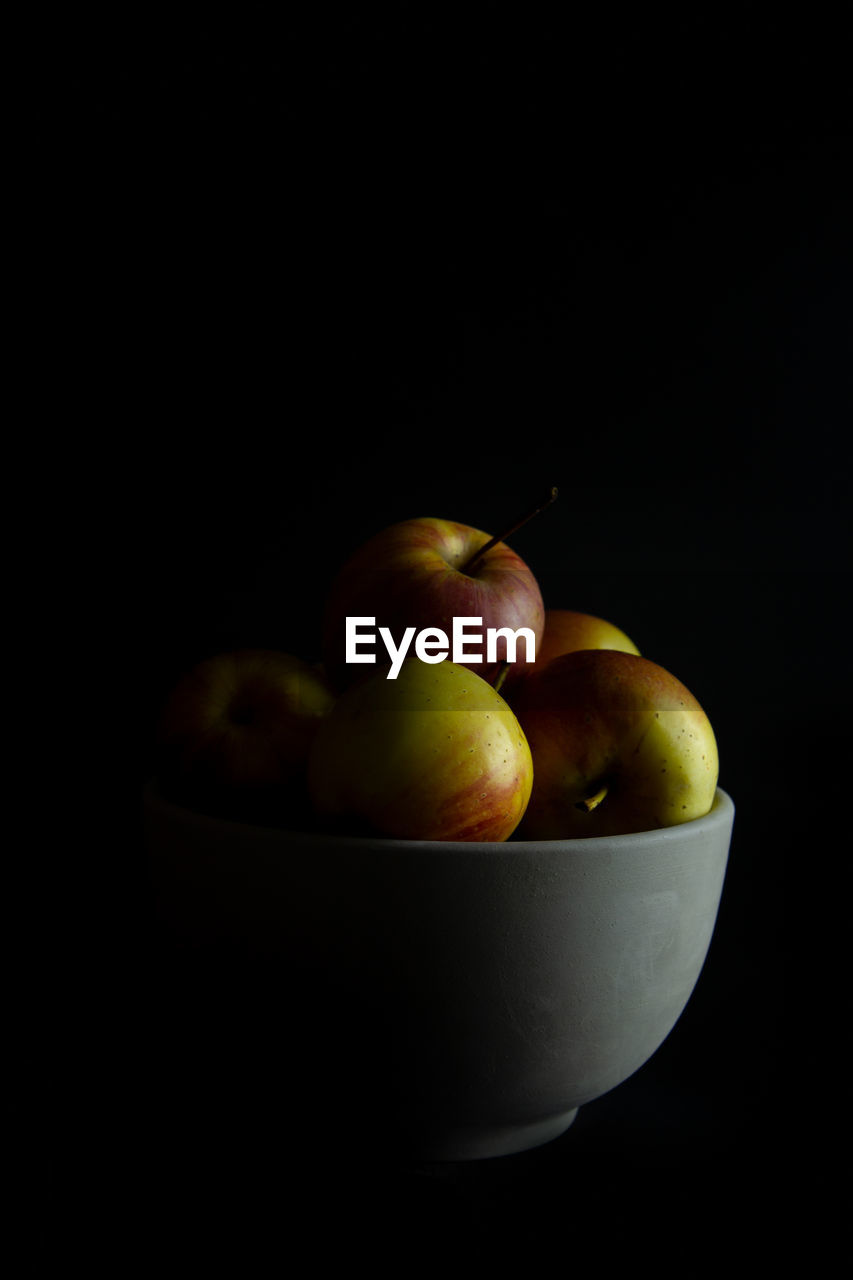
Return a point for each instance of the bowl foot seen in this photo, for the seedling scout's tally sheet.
(483, 1143)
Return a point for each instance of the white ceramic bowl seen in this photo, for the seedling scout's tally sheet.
(456, 1000)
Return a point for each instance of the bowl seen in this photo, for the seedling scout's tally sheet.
(449, 1001)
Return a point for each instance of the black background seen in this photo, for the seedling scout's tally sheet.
(357, 269)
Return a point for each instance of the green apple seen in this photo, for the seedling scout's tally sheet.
(435, 754)
(567, 630)
(234, 734)
(618, 744)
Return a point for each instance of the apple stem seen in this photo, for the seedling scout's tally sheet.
(501, 676)
(472, 562)
(593, 801)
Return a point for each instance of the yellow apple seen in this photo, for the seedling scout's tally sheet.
(567, 630)
(234, 734)
(619, 745)
(435, 754)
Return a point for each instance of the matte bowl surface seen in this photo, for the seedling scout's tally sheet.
(451, 1000)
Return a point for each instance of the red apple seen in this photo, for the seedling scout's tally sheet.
(618, 744)
(436, 754)
(234, 734)
(413, 575)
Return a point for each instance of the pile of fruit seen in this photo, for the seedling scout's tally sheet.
(410, 727)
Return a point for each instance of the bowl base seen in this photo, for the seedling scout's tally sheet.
(494, 1140)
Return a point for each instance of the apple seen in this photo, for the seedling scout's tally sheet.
(435, 754)
(619, 745)
(567, 630)
(233, 735)
(414, 574)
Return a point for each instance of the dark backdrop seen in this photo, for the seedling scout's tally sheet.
(363, 269)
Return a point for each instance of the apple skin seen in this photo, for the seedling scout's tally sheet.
(409, 575)
(233, 735)
(602, 717)
(436, 754)
(567, 630)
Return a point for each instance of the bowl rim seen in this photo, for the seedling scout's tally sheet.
(720, 814)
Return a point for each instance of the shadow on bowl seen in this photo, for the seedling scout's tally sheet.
(440, 1001)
